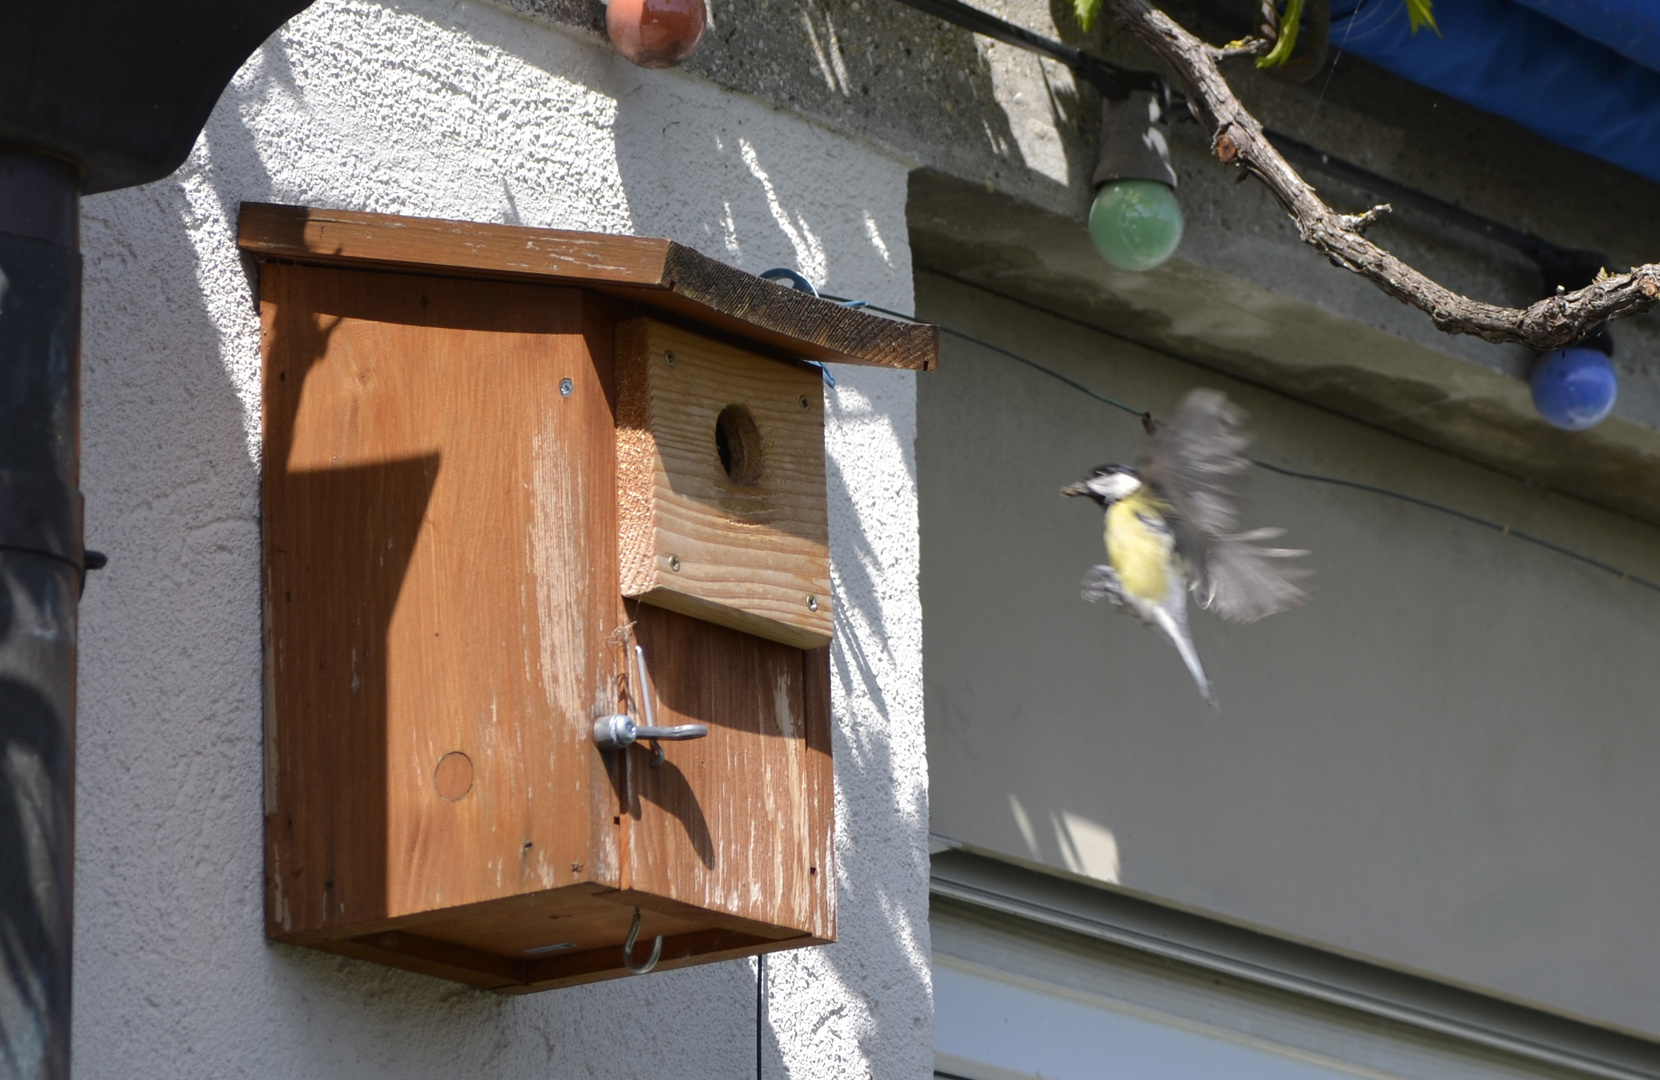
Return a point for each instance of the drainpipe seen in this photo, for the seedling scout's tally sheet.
(41, 566)
(95, 95)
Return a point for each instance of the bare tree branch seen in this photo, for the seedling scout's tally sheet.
(1237, 139)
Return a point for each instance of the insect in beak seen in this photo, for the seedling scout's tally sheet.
(1080, 488)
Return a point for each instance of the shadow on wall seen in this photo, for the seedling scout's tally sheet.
(387, 501)
(171, 949)
(830, 56)
(1082, 846)
(890, 72)
(823, 1006)
(824, 1013)
(1087, 848)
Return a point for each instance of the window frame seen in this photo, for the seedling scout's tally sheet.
(1025, 901)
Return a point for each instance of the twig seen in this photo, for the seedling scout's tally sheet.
(1237, 139)
(1361, 222)
(1249, 46)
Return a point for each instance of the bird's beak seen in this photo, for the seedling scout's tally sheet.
(1080, 488)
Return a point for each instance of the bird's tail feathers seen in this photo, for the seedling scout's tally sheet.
(1171, 618)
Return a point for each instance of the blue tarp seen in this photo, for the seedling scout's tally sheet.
(1629, 27)
(1510, 60)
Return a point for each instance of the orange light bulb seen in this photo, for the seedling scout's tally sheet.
(656, 33)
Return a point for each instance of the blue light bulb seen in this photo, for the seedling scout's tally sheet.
(1136, 224)
(1574, 388)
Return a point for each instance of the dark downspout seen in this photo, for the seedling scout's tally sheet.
(95, 95)
(41, 567)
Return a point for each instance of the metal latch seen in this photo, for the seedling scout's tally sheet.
(619, 730)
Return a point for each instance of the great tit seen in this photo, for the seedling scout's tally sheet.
(1168, 530)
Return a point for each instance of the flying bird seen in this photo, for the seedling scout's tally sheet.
(1169, 530)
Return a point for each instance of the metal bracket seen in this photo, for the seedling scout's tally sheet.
(41, 515)
(617, 731)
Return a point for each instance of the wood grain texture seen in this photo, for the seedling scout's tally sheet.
(692, 538)
(684, 950)
(392, 242)
(428, 956)
(444, 623)
(741, 822)
(440, 556)
(489, 945)
(652, 273)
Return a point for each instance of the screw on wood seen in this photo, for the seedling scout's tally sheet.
(565, 387)
(669, 356)
(812, 603)
(674, 563)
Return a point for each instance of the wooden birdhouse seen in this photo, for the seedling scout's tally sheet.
(547, 591)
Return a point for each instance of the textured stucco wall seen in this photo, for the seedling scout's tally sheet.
(469, 111)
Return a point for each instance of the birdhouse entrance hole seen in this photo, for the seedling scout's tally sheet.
(738, 442)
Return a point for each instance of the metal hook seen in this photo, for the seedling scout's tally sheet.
(790, 279)
(794, 279)
(628, 949)
(619, 730)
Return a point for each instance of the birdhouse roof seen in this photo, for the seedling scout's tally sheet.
(659, 275)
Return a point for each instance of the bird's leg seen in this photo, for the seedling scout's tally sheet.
(1102, 583)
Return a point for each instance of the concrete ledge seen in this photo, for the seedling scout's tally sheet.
(1288, 344)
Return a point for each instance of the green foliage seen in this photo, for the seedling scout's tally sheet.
(1287, 42)
(1419, 13)
(1422, 13)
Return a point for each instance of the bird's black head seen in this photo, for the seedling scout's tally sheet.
(1107, 484)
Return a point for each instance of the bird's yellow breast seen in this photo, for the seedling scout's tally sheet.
(1139, 553)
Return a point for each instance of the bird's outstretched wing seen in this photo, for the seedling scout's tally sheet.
(1191, 462)
(1243, 583)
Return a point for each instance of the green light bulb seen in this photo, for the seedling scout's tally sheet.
(1136, 224)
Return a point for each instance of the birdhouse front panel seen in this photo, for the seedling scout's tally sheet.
(509, 743)
(749, 853)
(721, 463)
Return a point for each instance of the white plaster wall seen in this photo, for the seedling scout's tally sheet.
(458, 110)
(1444, 761)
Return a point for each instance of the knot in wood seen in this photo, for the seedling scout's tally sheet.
(1227, 151)
(1649, 287)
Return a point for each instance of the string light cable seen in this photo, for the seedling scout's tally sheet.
(1279, 470)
